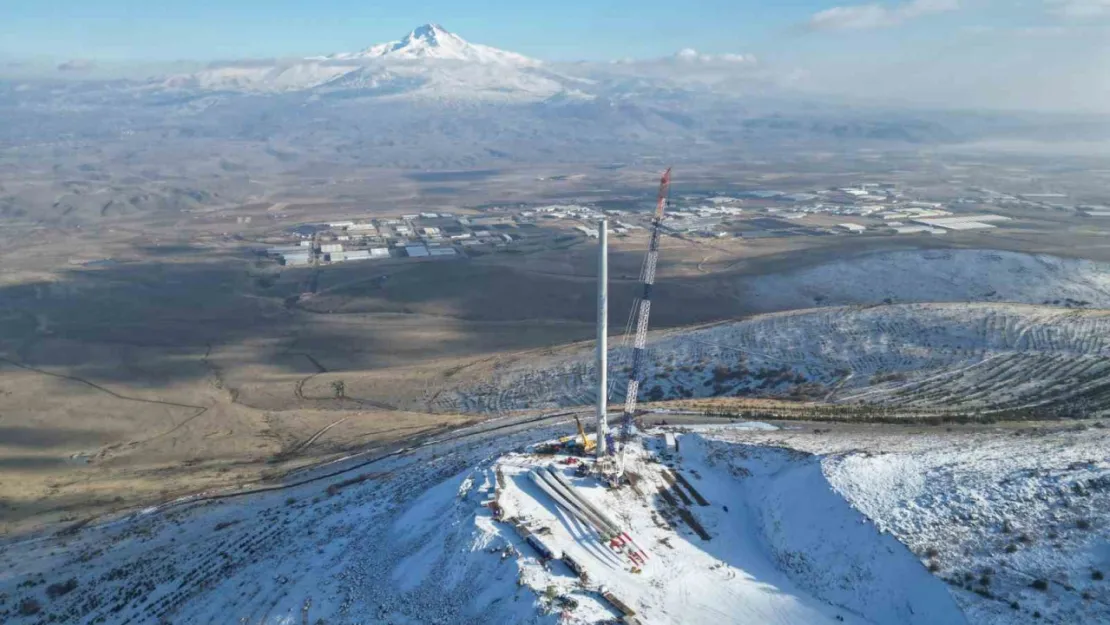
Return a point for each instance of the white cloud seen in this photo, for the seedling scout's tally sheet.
(872, 16)
(725, 72)
(693, 56)
(77, 65)
(1080, 8)
(1042, 31)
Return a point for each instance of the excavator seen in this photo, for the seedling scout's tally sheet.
(586, 445)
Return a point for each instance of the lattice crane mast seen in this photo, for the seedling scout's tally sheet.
(644, 310)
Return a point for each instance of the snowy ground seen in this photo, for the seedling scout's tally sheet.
(783, 547)
(937, 276)
(1017, 522)
(968, 357)
(1001, 352)
(809, 536)
(395, 540)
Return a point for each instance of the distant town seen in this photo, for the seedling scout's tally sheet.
(875, 209)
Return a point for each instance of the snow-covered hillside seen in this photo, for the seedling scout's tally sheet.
(779, 545)
(396, 538)
(791, 536)
(1015, 521)
(937, 276)
(859, 341)
(271, 78)
(926, 357)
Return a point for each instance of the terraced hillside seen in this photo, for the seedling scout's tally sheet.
(924, 357)
(936, 276)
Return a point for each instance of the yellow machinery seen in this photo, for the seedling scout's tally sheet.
(569, 442)
(587, 444)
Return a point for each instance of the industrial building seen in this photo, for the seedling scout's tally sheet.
(969, 222)
(285, 249)
(338, 257)
(416, 251)
(328, 248)
(684, 222)
(918, 229)
(441, 251)
(296, 259)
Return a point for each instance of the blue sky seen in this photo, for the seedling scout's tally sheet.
(204, 29)
(161, 30)
(1012, 53)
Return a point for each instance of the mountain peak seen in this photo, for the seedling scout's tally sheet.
(432, 41)
(428, 31)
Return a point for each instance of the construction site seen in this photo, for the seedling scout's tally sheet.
(563, 516)
(633, 524)
(614, 516)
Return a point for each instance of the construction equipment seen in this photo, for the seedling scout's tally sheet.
(644, 311)
(587, 444)
(620, 540)
(559, 489)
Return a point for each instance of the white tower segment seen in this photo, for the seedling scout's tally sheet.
(602, 336)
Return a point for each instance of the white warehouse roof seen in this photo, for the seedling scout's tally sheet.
(296, 259)
(969, 222)
(338, 257)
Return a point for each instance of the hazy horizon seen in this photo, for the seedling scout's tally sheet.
(1042, 55)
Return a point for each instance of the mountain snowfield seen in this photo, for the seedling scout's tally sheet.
(428, 63)
(431, 63)
(432, 41)
(440, 102)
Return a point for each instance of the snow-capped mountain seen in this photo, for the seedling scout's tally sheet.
(428, 63)
(270, 78)
(432, 41)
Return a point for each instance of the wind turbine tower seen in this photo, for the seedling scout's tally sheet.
(602, 337)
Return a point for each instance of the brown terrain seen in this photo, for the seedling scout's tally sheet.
(153, 355)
